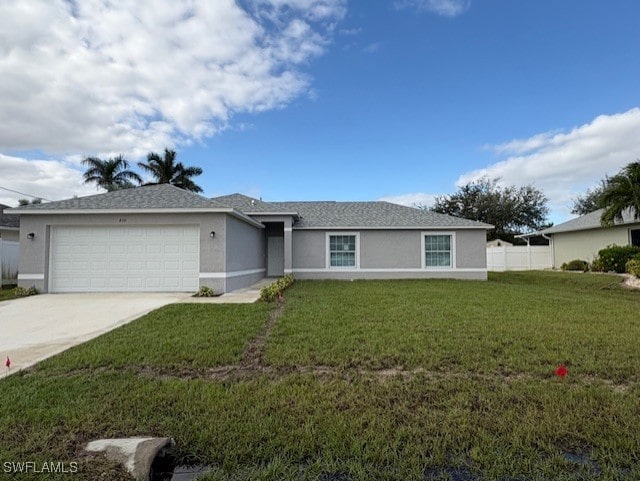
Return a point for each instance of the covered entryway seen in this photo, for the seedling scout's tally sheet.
(124, 259)
(275, 256)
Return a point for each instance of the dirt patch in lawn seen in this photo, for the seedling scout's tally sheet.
(253, 356)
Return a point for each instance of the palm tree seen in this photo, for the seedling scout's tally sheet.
(622, 193)
(111, 174)
(166, 170)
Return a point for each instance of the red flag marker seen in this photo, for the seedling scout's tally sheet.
(8, 362)
(562, 371)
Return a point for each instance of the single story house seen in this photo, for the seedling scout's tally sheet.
(582, 237)
(162, 238)
(9, 225)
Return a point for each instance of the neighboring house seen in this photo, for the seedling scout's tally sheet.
(162, 238)
(9, 225)
(582, 237)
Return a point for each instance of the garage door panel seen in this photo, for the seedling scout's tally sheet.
(190, 266)
(117, 258)
(172, 248)
(154, 265)
(99, 283)
(154, 249)
(135, 249)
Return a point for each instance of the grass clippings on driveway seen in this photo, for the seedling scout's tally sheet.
(381, 384)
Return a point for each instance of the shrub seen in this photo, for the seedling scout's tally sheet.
(274, 290)
(597, 265)
(205, 291)
(575, 265)
(614, 258)
(24, 291)
(633, 266)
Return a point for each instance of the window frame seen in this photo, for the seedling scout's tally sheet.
(633, 230)
(328, 250)
(423, 252)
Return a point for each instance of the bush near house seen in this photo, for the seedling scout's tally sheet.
(575, 265)
(274, 290)
(204, 291)
(633, 266)
(614, 258)
(24, 291)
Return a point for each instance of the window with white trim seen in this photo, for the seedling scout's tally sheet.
(343, 250)
(438, 250)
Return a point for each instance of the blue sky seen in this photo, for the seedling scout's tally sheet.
(344, 100)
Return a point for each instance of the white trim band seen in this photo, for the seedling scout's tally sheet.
(31, 277)
(383, 270)
(227, 275)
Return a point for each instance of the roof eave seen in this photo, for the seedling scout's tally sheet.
(155, 210)
(399, 227)
(294, 214)
(187, 210)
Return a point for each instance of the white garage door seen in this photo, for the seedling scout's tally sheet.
(124, 259)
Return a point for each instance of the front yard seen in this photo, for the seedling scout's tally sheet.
(345, 381)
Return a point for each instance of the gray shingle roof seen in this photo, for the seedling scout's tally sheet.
(8, 220)
(247, 204)
(588, 221)
(161, 196)
(371, 214)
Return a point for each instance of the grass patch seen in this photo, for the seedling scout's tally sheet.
(303, 427)
(515, 323)
(477, 398)
(178, 336)
(6, 293)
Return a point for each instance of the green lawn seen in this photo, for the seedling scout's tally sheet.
(6, 293)
(406, 380)
(516, 323)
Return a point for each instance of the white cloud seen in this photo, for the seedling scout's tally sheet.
(115, 76)
(410, 200)
(48, 179)
(445, 8)
(563, 164)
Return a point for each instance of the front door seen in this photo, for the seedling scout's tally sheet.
(275, 256)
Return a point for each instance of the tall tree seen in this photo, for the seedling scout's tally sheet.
(111, 174)
(34, 201)
(512, 210)
(591, 200)
(165, 170)
(622, 194)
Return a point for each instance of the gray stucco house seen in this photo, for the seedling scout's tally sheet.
(162, 238)
(583, 237)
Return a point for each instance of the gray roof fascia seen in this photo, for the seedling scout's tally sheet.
(398, 227)
(189, 210)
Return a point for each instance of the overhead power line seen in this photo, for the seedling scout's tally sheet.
(22, 193)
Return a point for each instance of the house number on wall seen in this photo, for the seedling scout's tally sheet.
(122, 220)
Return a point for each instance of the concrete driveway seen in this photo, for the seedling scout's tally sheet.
(35, 328)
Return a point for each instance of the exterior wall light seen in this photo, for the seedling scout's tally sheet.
(31, 236)
(212, 234)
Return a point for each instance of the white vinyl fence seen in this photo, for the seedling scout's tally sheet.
(9, 254)
(519, 258)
